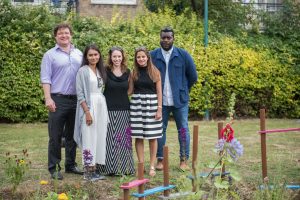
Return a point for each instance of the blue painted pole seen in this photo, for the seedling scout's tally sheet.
(206, 116)
(205, 23)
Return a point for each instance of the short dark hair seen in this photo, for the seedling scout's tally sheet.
(62, 25)
(167, 29)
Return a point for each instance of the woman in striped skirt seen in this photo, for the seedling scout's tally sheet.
(146, 106)
(119, 158)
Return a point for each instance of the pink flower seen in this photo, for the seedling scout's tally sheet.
(227, 133)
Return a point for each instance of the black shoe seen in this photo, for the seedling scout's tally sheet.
(94, 177)
(74, 170)
(57, 175)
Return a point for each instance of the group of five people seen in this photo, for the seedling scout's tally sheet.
(89, 104)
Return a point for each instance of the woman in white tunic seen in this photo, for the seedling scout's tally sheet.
(91, 114)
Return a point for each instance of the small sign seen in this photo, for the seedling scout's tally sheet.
(119, 2)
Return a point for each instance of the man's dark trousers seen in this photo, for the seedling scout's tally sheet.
(62, 118)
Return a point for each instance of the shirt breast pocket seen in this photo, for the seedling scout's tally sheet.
(178, 70)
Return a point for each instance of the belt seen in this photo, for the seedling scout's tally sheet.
(69, 96)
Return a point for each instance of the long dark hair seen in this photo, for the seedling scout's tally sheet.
(124, 60)
(99, 65)
(151, 69)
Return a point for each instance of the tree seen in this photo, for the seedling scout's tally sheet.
(229, 16)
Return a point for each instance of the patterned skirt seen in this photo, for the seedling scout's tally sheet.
(119, 158)
(143, 108)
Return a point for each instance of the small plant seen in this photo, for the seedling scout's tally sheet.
(87, 161)
(229, 149)
(15, 168)
(55, 196)
(230, 109)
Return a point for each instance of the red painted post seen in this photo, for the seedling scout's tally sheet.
(263, 143)
(141, 187)
(195, 155)
(166, 170)
(220, 127)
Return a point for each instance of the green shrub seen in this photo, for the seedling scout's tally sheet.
(258, 76)
(258, 79)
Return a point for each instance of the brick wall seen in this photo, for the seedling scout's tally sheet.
(85, 8)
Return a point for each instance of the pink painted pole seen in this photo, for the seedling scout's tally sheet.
(263, 143)
(280, 130)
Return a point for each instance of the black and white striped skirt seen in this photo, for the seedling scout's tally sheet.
(119, 158)
(143, 108)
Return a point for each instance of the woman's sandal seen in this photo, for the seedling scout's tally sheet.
(152, 172)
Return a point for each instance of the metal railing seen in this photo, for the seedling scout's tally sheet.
(269, 7)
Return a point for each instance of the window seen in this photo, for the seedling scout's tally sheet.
(120, 2)
(37, 2)
(23, 0)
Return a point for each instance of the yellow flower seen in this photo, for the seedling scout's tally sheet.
(43, 182)
(22, 161)
(62, 196)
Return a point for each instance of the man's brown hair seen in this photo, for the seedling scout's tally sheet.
(62, 25)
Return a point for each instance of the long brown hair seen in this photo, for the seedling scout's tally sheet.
(124, 60)
(151, 69)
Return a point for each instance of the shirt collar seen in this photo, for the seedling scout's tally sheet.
(58, 47)
(164, 52)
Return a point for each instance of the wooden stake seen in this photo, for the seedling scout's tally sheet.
(195, 154)
(263, 143)
(166, 170)
(141, 187)
(220, 127)
(126, 193)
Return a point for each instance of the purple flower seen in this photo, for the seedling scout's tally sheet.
(119, 138)
(87, 157)
(220, 145)
(182, 133)
(128, 142)
(235, 149)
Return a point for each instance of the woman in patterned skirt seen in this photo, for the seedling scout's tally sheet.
(146, 106)
(119, 159)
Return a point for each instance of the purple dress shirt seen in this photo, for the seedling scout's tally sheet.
(59, 69)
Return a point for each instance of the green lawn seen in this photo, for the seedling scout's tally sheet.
(283, 154)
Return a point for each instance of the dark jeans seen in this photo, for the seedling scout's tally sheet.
(62, 120)
(181, 119)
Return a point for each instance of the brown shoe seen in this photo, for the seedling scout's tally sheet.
(184, 166)
(159, 166)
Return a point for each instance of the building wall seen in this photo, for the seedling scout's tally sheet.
(86, 8)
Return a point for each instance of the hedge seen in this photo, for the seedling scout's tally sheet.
(256, 75)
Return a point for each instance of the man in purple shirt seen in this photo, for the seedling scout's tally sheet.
(58, 77)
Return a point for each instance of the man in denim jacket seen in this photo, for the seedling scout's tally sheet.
(178, 74)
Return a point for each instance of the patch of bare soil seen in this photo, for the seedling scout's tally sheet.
(104, 190)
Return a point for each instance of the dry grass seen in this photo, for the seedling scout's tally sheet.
(283, 153)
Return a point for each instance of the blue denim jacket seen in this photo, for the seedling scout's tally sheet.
(182, 73)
